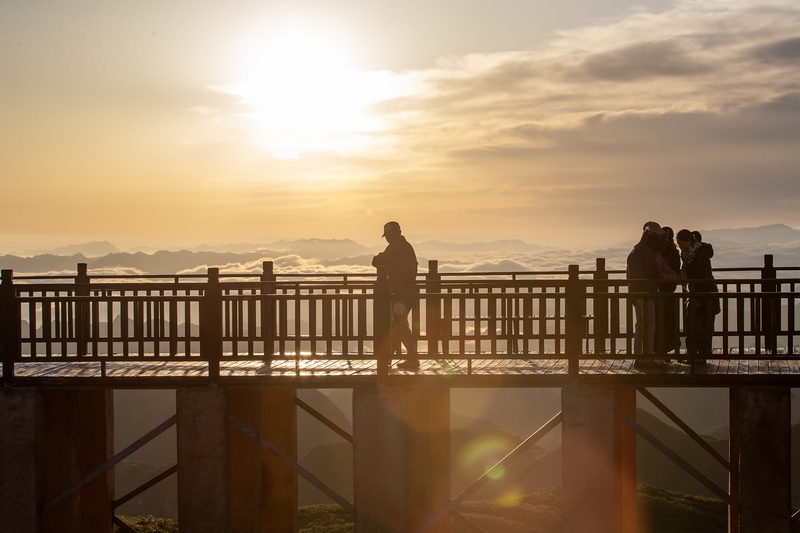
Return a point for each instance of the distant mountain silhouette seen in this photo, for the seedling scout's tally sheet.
(89, 249)
(359, 260)
(772, 234)
(505, 245)
(40, 264)
(743, 247)
(166, 262)
(321, 248)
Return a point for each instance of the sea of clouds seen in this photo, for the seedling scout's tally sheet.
(734, 249)
(727, 255)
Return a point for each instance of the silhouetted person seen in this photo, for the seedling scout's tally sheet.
(667, 308)
(643, 273)
(401, 262)
(700, 307)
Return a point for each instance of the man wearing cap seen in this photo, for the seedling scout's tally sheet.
(400, 261)
(643, 273)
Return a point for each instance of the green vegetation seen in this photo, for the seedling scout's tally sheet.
(659, 511)
(325, 518)
(149, 524)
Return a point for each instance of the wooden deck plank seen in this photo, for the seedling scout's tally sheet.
(52, 369)
(302, 366)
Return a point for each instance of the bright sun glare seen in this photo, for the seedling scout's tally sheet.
(306, 96)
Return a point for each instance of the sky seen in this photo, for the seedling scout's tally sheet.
(565, 123)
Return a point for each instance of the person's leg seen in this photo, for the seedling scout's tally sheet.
(674, 343)
(401, 311)
(690, 326)
(645, 329)
(637, 332)
(397, 350)
(705, 332)
(666, 336)
(649, 306)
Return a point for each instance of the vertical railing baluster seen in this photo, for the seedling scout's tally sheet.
(82, 321)
(9, 326)
(770, 310)
(173, 320)
(574, 319)
(600, 306)
(268, 311)
(382, 327)
(211, 324)
(433, 306)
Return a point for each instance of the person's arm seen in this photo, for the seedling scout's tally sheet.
(384, 258)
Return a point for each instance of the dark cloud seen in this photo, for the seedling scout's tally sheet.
(644, 60)
(786, 103)
(784, 50)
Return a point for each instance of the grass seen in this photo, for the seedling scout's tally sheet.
(658, 511)
(149, 524)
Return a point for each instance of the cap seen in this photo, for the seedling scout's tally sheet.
(653, 227)
(389, 227)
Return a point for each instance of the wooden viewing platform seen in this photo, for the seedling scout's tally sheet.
(235, 347)
(322, 331)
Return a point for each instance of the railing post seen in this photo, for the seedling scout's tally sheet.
(433, 306)
(382, 322)
(770, 310)
(211, 324)
(574, 319)
(9, 325)
(268, 308)
(600, 305)
(82, 316)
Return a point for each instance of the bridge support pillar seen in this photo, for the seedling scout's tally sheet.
(227, 481)
(78, 438)
(401, 451)
(51, 440)
(21, 449)
(599, 461)
(263, 494)
(202, 442)
(765, 459)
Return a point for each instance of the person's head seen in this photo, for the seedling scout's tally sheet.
(696, 235)
(391, 230)
(669, 233)
(653, 228)
(685, 239)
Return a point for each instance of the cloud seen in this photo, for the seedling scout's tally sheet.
(708, 57)
(689, 114)
(645, 60)
(785, 50)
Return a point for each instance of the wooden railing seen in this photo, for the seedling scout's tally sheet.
(566, 315)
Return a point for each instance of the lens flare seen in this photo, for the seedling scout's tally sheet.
(483, 451)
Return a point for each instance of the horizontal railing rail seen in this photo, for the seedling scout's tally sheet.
(217, 318)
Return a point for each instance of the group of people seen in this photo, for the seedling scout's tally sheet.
(657, 264)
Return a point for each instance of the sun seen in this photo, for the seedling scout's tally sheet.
(305, 95)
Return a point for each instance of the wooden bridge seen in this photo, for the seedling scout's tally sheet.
(237, 346)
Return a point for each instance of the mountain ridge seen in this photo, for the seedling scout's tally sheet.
(741, 247)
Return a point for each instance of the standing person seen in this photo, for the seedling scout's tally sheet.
(643, 273)
(667, 308)
(401, 262)
(700, 308)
